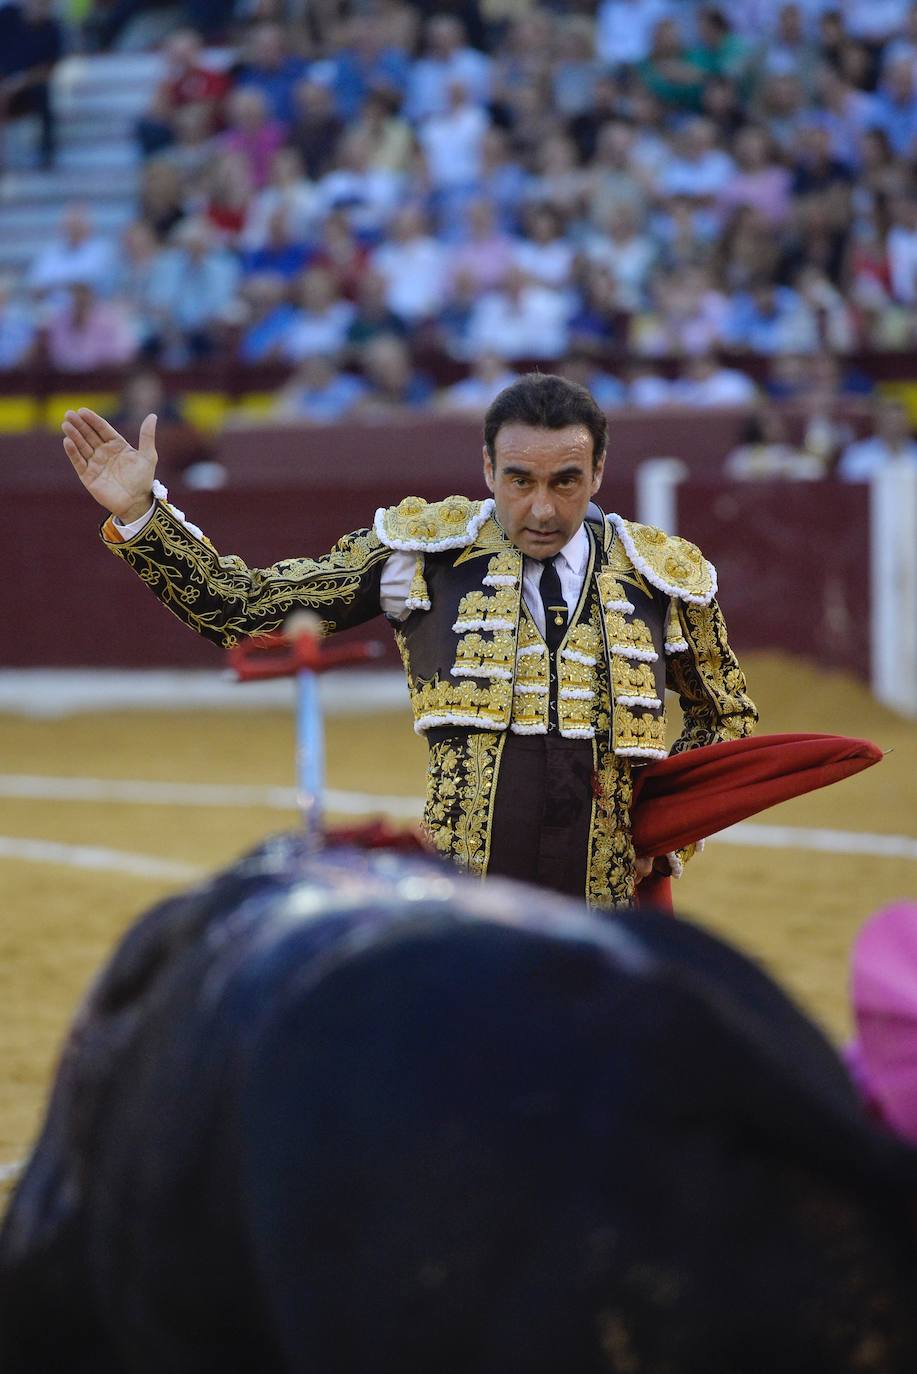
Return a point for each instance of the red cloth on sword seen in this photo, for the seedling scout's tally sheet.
(686, 797)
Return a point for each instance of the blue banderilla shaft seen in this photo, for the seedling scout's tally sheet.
(310, 754)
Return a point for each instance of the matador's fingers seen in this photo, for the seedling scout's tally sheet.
(98, 426)
(83, 447)
(77, 461)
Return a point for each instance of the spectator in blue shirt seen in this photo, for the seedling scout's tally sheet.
(363, 64)
(273, 70)
(319, 393)
(272, 315)
(895, 107)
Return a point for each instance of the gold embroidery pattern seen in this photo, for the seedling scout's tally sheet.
(416, 521)
(462, 703)
(476, 656)
(504, 569)
(610, 872)
(629, 637)
(532, 681)
(630, 677)
(224, 600)
(709, 682)
(612, 593)
(672, 559)
(461, 783)
(497, 610)
(639, 730)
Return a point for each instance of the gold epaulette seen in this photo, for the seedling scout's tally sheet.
(674, 565)
(423, 526)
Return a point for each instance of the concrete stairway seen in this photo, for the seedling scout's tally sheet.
(98, 100)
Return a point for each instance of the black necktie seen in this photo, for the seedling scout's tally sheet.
(555, 607)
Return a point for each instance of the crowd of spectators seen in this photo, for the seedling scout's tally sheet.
(601, 188)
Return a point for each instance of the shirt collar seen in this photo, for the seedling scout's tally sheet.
(575, 552)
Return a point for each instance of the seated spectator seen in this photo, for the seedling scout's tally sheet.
(621, 245)
(193, 144)
(282, 254)
(228, 190)
(720, 50)
(706, 382)
(835, 320)
(75, 254)
(373, 316)
(474, 393)
(189, 82)
(770, 319)
(369, 196)
(758, 180)
(891, 444)
(697, 169)
(446, 58)
(544, 252)
(451, 141)
(646, 387)
(361, 62)
(414, 266)
(766, 453)
(393, 383)
(317, 127)
(271, 68)
(252, 133)
(895, 107)
(615, 178)
(501, 180)
(193, 295)
(270, 318)
(85, 332)
(388, 136)
(845, 114)
(815, 169)
(688, 315)
(318, 393)
(289, 191)
(901, 247)
(523, 319)
(132, 276)
(581, 367)
(792, 49)
(322, 318)
(450, 330)
(594, 319)
(340, 252)
(669, 72)
(162, 203)
(485, 254)
(560, 179)
(31, 42)
(17, 327)
(624, 29)
(575, 69)
(780, 107)
(184, 454)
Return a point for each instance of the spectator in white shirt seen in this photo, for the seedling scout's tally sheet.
(705, 382)
(474, 393)
(75, 255)
(451, 141)
(901, 249)
(192, 294)
(891, 444)
(626, 250)
(545, 254)
(447, 58)
(699, 168)
(414, 266)
(323, 319)
(368, 195)
(289, 190)
(624, 29)
(523, 320)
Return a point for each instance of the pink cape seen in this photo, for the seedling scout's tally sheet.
(883, 1057)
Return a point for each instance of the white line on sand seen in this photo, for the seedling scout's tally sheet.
(749, 833)
(94, 857)
(10, 1171)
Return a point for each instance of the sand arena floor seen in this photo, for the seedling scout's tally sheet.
(794, 906)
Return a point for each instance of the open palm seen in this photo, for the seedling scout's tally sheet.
(118, 476)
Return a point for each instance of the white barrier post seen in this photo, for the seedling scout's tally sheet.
(656, 486)
(893, 587)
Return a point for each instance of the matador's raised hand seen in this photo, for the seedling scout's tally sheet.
(118, 476)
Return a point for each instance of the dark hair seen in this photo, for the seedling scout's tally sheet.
(546, 402)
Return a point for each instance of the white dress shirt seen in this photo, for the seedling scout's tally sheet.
(398, 572)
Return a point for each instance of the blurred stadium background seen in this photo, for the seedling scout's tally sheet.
(317, 240)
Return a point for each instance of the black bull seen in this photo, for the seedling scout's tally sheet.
(348, 1114)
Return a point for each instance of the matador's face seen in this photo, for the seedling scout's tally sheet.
(542, 482)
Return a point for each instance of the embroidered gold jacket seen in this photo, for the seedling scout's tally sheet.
(474, 658)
